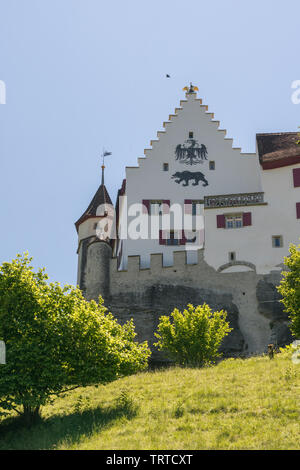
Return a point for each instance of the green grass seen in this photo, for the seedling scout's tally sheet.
(238, 404)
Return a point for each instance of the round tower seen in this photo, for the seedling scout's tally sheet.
(94, 245)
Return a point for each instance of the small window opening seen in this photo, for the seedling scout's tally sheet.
(212, 165)
(191, 135)
(166, 166)
(277, 241)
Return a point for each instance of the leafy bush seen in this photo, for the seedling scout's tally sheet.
(194, 336)
(56, 340)
(289, 288)
(127, 404)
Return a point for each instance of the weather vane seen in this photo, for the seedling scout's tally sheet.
(105, 153)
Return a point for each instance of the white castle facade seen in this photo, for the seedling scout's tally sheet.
(197, 220)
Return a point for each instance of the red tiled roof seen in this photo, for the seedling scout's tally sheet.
(278, 149)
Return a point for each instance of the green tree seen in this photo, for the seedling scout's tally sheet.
(289, 288)
(56, 340)
(194, 336)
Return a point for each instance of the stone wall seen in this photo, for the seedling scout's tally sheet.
(251, 300)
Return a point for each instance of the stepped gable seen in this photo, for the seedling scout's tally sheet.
(172, 117)
(278, 149)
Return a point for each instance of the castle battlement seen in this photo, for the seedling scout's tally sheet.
(134, 264)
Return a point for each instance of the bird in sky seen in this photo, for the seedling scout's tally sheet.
(167, 75)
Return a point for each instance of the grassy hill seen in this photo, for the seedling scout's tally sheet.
(238, 404)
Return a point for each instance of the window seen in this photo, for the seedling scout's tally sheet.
(193, 207)
(173, 238)
(156, 207)
(298, 210)
(237, 220)
(232, 256)
(234, 221)
(191, 135)
(166, 166)
(277, 241)
(196, 207)
(296, 177)
(212, 165)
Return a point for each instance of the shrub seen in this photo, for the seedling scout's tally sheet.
(194, 336)
(289, 288)
(56, 340)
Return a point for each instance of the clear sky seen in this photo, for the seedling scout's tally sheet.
(81, 75)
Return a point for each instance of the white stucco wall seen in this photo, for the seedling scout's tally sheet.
(234, 172)
(254, 243)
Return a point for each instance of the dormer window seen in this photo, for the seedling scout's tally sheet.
(191, 135)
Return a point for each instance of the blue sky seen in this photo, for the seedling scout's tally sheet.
(81, 75)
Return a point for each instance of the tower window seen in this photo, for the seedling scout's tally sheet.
(191, 135)
(232, 256)
(166, 166)
(212, 165)
(277, 241)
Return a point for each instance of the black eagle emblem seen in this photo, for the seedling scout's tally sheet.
(191, 152)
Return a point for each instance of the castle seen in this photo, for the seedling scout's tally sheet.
(197, 221)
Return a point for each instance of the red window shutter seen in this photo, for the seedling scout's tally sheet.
(298, 210)
(146, 206)
(166, 207)
(162, 241)
(247, 219)
(188, 208)
(182, 240)
(296, 175)
(221, 221)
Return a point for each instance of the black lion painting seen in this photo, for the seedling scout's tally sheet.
(187, 176)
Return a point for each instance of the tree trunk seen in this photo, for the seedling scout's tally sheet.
(31, 415)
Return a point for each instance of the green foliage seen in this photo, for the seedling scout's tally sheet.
(194, 336)
(56, 340)
(178, 410)
(238, 404)
(289, 288)
(127, 404)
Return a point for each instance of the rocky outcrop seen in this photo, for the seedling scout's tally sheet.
(161, 299)
(270, 306)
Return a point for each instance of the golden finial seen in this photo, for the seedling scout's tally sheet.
(191, 88)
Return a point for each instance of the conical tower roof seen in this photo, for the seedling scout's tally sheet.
(101, 197)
